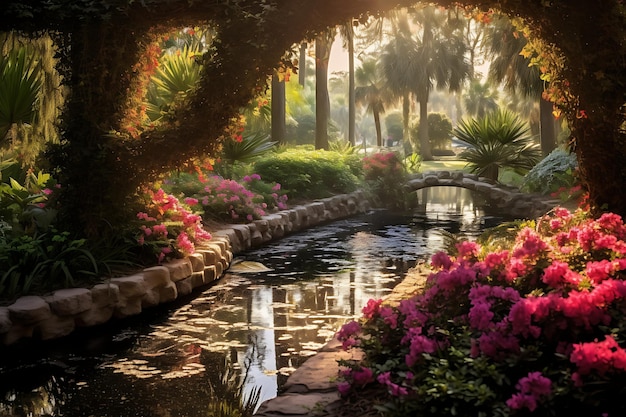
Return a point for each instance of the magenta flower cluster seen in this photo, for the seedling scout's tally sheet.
(170, 226)
(382, 164)
(544, 315)
(235, 202)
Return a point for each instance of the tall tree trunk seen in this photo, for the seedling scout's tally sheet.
(547, 126)
(322, 101)
(379, 131)
(302, 64)
(422, 133)
(279, 126)
(406, 113)
(351, 87)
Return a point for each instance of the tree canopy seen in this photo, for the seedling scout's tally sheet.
(105, 52)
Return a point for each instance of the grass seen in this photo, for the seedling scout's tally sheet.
(444, 165)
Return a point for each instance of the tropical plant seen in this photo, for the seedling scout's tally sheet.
(369, 91)
(399, 65)
(480, 99)
(513, 66)
(498, 140)
(440, 50)
(251, 147)
(20, 82)
(177, 74)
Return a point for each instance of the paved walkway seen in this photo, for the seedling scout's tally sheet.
(311, 391)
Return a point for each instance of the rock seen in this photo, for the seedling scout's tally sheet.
(179, 269)
(5, 321)
(105, 295)
(69, 302)
(29, 310)
(133, 286)
(55, 327)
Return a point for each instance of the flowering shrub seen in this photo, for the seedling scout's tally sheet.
(385, 175)
(536, 328)
(235, 202)
(168, 227)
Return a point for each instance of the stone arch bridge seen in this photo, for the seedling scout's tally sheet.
(505, 198)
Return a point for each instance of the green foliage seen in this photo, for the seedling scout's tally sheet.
(42, 262)
(412, 163)
(310, 174)
(497, 140)
(251, 147)
(176, 75)
(439, 130)
(23, 208)
(20, 82)
(393, 123)
(553, 172)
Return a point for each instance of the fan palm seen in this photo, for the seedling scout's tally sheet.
(514, 70)
(440, 49)
(370, 92)
(498, 140)
(176, 75)
(20, 82)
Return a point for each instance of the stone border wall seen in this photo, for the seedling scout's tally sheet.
(61, 312)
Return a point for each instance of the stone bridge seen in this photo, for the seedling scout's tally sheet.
(508, 199)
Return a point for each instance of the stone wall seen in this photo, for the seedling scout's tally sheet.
(61, 312)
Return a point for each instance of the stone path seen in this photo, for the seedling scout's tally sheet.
(311, 391)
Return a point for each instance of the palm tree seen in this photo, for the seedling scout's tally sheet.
(323, 44)
(399, 64)
(279, 114)
(480, 99)
(370, 92)
(505, 44)
(347, 33)
(440, 50)
(498, 140)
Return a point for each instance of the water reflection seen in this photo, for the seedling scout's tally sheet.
(178, 361)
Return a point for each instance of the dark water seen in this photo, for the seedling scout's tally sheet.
(179, 360)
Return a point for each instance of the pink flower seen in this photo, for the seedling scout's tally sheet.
(371, 308)
(532, 389)
(441, 260)
(362, 376)
(346, 334)
(191, 201)
(344, 388)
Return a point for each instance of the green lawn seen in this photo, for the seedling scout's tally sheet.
(445, 165)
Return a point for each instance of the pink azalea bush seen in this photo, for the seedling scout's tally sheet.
(169, 227)
(385, 175)
(533, 328)
(239, 202)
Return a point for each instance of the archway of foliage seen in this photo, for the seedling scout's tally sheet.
(107, 53)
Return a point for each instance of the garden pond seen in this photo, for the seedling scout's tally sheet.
(186, 359)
